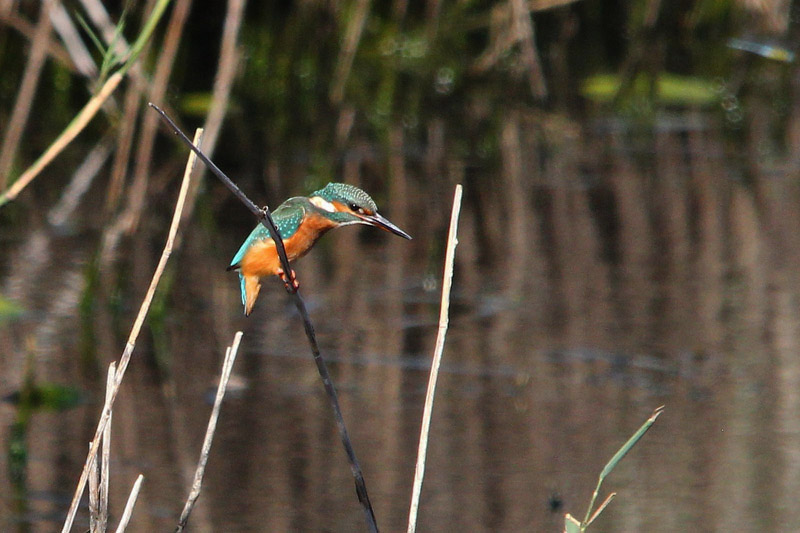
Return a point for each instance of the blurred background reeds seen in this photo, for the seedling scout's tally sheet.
(628, 239)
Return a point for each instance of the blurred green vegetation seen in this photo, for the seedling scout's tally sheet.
(318, 78)
(9, 310)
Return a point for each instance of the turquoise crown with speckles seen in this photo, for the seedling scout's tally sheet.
(346, 194)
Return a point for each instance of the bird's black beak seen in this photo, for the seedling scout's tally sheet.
(380, 222)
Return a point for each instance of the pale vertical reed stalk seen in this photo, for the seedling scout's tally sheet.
(137, 326)
(444, 310)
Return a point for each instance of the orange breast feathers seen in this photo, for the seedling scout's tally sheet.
(261, 259)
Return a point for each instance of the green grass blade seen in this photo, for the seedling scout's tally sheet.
(92, 35)
(617, 458)
(630, 444)
(144, 36)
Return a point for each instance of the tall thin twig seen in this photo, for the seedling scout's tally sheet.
(126, 354)
(227, 366)
(265, 218)
(444, 310)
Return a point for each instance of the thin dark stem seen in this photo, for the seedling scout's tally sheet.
(265, 218)
(322, 367)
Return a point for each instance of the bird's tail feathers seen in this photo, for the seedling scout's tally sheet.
(250, 288)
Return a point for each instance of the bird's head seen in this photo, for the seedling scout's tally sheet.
(345, 204)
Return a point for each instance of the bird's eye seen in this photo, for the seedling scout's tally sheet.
(354, 207)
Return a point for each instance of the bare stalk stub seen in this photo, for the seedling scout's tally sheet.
(227, 367)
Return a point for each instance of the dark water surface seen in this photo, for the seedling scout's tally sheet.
(593, 283)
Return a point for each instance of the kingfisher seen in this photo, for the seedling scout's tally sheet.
(301, 221)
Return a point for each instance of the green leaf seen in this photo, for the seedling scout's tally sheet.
(630, 444)
(46, 397)
(616, 459)
(670, 89)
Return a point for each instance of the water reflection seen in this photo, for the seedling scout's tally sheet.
(594, 281)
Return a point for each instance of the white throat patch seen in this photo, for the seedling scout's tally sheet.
(322, 203)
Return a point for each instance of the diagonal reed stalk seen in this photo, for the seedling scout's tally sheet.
(447, 282)
(128, 351)
(265, 218)
(227, 367)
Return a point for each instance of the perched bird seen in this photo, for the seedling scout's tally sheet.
(301, 221)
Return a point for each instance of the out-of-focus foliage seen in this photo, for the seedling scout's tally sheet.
(670, 89)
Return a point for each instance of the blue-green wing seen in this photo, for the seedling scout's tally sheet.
(287, 217)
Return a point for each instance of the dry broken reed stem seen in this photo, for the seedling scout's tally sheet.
(94, 496)
(98, 480)
(447, 282)
(27, 90)
(105, 463)
(137, 326)
(126, 515)
(227, 366)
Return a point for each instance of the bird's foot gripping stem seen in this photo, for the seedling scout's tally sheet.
(291, 283)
